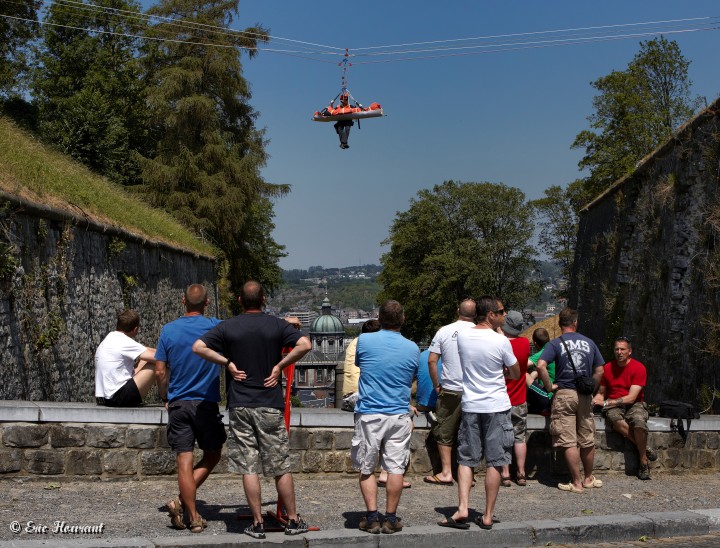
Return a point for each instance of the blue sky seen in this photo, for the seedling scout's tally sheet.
(501, 117)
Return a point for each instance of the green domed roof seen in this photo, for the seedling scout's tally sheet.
(326, 322)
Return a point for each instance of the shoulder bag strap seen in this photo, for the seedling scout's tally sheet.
(569, 356)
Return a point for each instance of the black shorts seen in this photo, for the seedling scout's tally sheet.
(192, 420)
(127, 395)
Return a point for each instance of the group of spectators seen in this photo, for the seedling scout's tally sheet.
(473, 382)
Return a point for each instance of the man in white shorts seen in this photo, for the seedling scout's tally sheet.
(486, 428)
(388, 364)
(124, 368)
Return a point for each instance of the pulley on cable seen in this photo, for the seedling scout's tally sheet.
(344, 114)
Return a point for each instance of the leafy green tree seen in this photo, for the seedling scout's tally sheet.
(458, 240)
(558, 211)
(637, 109)
(206, 166)
(16, 31)
(88, 87)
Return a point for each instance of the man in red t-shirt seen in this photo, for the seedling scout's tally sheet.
(518, 396)
(621, 396)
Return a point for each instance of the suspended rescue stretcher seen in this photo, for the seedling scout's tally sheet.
(331, 113)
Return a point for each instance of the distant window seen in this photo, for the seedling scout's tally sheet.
(301, 376)
(319, 376)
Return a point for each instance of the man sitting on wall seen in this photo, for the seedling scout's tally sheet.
(124, 368)
(621, 395)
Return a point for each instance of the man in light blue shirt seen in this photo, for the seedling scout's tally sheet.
(388, 364)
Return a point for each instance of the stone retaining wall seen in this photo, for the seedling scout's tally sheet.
(73, 440)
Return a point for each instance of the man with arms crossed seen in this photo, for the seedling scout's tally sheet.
(251, 344)
(572, 424)
(450, 389)
(486, 429)
(388, 364)
(118, 381)
(621, 395)
(190, 389)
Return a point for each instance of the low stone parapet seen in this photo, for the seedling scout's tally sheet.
(84, 440)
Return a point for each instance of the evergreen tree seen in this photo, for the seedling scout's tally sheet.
(637, 110)
(455, 241)
(16, 30)
(206, 168)
(88, 86)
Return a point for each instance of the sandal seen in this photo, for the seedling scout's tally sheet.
(505, 481)
(521, 480)
(198, 525)
(175, 511)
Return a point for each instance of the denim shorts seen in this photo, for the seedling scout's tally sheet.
(260, 435)
(485, 434)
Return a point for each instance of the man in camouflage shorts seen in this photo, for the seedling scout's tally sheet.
(250, 347)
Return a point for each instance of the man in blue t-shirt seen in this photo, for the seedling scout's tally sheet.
(426, 396)
(388, 364)
(190, 388)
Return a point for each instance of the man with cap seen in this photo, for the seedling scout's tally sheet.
(518, 396)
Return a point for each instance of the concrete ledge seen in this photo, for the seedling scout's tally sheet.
(678, 524)
(78, 412)
(713, 516)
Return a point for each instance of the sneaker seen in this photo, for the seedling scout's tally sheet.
(389, 527)
(296, 527)
(256, 530)
(651, 454)
(370, 527)
(644, 472)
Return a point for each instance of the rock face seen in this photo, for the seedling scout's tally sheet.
(647, 264)
(61, 287)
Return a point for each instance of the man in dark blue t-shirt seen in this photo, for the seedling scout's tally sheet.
(572, 425)
(250, 346)
(190, 389)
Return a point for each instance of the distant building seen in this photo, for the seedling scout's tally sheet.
(314, 382)
(306, 317)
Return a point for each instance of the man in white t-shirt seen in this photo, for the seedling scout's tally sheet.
(449, 388)
(486, 427)
(124, 368)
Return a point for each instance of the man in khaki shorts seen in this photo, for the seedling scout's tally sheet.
(621, 395)
(388, 364)
(250, 347)
(450, 388)
(572, 424)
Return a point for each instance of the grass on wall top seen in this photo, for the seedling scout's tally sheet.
(37, 173)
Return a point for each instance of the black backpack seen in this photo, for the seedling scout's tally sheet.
(677, 411)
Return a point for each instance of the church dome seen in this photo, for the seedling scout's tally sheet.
(326, 323)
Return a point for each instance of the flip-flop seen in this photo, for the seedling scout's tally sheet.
(175, 511)
(594, 482)
(570, 488)
(479, 522)
(434, 480)
(454, 524)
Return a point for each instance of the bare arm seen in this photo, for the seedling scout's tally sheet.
(513, 372)
(147, 356)
(302, 347)
(544, 376)
(632, 395)
(162, 378)
(208, 354)
(433, 369)
(599, 398)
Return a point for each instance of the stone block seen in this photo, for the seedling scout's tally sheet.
(105, 436)
(349, 465)
(10, 460)
(343, 439)
(334, 461)
(420, 462)
(80, 462)
(677, 524)
(45, 462)
(706, 459)
(614, 441)
(321, 440)
(670, 458)
(67, 436)
(120, 463)
(603, 460)
(222, 466)
(312, 461)
(31, 435)
(156, 463)
(689, 459)
(300, 439)
(697, 440)
(713, 440)
(417, 440)
(162, 439)
(142, 437)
